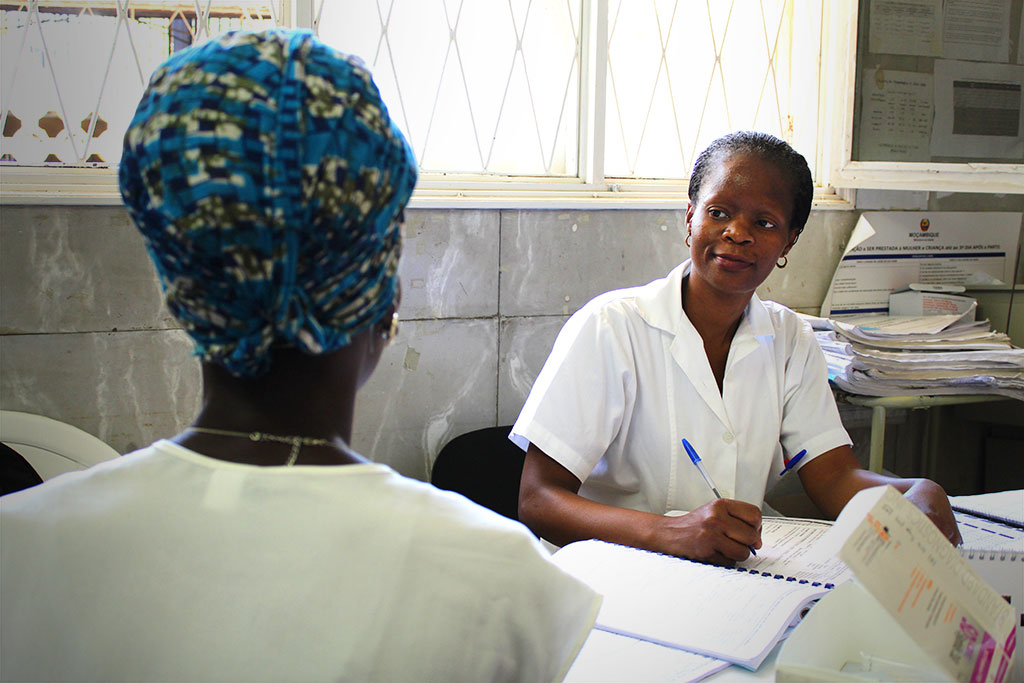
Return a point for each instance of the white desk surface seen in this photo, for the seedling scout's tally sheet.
(607, 662)
(609, 658)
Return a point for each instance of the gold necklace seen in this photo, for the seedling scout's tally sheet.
(296, 442)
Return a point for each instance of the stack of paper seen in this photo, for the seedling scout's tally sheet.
(910, 355)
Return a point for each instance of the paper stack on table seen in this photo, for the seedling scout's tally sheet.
(937, 354)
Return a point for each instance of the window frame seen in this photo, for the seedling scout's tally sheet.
(839, 175)
(982, 177)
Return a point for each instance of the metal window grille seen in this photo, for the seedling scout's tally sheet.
(563, 90)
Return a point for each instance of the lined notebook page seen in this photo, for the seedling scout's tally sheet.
(979, 533)
(788, 550)
(714, 611)
(1005, 506)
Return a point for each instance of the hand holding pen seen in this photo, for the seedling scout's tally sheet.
(695, 459)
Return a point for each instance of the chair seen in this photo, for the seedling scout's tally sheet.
(15, 472)
(49, 446)
(484, 466)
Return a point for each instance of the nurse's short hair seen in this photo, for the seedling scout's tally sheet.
(769, 148)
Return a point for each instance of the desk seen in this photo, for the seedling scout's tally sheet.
(879, 404)
(613, 658)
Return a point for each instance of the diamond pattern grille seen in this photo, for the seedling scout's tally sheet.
(479, 86)
(72, 72)
(492, 86)
(681, 73)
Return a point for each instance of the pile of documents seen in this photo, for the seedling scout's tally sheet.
(915, 355)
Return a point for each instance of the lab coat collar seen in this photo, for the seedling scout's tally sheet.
(660, 304)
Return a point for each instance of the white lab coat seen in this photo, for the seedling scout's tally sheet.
(628, 379)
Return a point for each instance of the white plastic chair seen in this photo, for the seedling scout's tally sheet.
(50, 446)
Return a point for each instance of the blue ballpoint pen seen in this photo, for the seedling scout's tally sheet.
(791, 463)
(695, 459)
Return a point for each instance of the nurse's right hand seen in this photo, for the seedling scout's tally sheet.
(719, 532)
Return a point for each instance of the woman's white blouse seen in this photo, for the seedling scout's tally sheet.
(167, 565)
(628, 379)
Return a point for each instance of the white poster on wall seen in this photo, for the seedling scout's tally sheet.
(895, 116)
(906, 27)
(979, 110)
(976, 29)
(889, 250)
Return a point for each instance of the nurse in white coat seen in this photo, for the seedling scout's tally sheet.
(696, 355)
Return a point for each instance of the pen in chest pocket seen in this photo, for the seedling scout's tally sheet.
(791, 463)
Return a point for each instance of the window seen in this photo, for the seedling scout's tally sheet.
(478, 86)
(579, 99)
(506, 102)
(933, 100)
(73, 71)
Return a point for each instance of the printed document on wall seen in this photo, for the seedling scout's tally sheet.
(895, 116)
(979, 112)
(906, 27)
(976, 29)
(889, 250)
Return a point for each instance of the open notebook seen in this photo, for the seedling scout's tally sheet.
(735, 614)
(1006, 507)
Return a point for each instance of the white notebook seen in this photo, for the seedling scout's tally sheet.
(1006, 506)
(736, 614)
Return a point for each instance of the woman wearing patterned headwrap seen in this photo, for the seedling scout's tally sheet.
(269, 184)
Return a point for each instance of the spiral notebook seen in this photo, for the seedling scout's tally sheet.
(1005, 507)
(735, 614)
(980, 533)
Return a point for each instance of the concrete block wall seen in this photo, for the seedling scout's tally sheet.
(84, 337)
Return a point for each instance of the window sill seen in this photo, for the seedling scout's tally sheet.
(98, 187)
(971, 177)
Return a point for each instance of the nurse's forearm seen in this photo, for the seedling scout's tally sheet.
(550, 505)
(721, 531)
(561, 517)
(834, 477)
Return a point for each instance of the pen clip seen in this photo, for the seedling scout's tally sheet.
(791, 463)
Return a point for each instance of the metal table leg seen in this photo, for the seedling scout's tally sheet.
(877, 451)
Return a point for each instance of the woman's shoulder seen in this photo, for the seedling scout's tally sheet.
(620, 309)
(791, 333)
(785, 319)
(448, 510)
(451, 518)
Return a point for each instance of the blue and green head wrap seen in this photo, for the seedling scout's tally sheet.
(268, 182)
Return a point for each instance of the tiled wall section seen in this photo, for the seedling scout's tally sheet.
(84, 337)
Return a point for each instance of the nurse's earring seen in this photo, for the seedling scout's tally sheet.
(687, 238)
(783, 263)
(388, 335)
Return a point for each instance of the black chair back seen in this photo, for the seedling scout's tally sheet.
(484, 466)
(15, 472)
